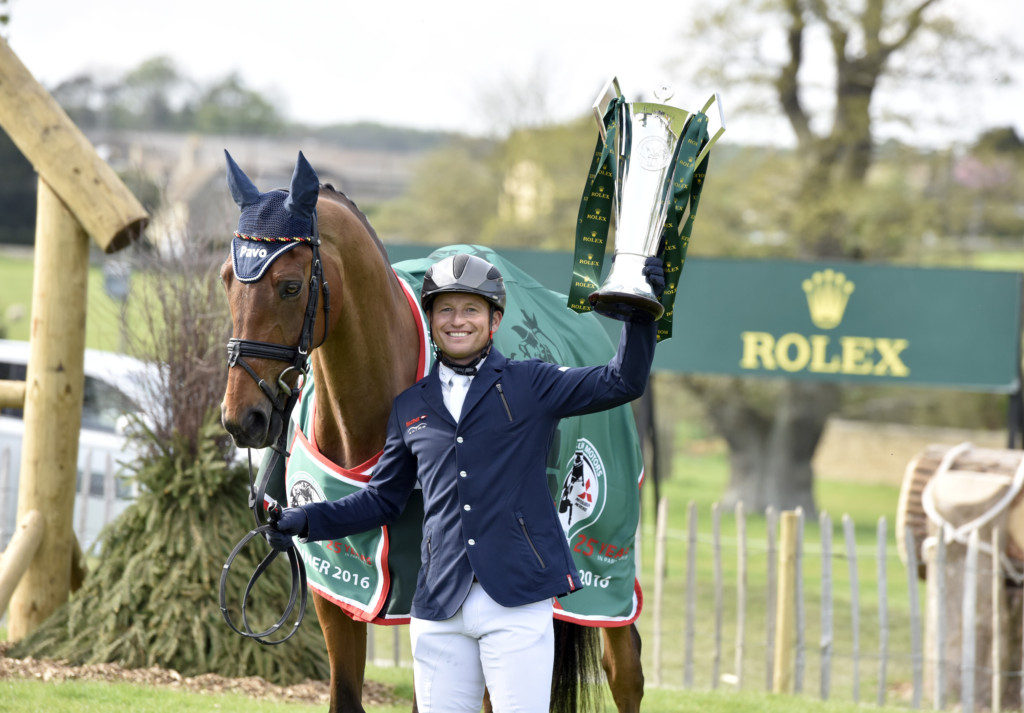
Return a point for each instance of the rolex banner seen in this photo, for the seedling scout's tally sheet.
(595, 470)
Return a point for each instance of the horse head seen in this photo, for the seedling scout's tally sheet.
(279, 301)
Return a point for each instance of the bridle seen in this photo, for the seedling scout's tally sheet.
(282, 399)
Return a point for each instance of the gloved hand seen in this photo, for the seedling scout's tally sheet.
(654, 271)
(292, 522)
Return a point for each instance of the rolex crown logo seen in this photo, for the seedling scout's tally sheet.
(827, 293)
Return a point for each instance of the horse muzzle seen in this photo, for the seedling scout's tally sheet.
(254, 427)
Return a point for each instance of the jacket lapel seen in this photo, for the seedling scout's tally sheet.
(489, 373)
(430, 391)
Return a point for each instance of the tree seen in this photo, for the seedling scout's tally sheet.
(773, 428)
(230, 106)
(150, 92)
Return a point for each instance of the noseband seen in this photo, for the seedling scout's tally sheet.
(282, 399)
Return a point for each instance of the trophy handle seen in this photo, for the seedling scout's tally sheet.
(713, 99)
(609, 93)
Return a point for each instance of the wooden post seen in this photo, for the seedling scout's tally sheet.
(785, 629)
(18, 554)
(62, 155)
(53, 407)
(12, 394)
(660, 530)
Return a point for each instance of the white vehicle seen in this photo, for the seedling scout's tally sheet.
(115, 385)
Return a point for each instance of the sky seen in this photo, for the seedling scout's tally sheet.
(433, 64)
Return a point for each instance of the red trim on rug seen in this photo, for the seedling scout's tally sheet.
(419, 318)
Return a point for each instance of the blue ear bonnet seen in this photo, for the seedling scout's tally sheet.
(271, 223)
(268, 219)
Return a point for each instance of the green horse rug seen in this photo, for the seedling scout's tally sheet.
(595, 471)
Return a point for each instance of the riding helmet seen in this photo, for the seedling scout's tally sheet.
(463, 273)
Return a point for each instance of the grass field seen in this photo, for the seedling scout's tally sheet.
(89, 697)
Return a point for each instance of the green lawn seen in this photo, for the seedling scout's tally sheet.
(103, 315)
(85, 697)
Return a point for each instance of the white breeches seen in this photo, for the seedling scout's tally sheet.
(510, 650)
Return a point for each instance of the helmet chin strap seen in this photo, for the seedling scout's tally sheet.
(464, 369)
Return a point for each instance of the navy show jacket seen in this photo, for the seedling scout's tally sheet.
(488, 511)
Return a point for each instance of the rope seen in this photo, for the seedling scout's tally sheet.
(962, 532)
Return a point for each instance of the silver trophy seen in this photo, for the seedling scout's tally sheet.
(647, 146)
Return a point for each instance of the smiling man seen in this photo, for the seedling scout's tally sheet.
(474, 434)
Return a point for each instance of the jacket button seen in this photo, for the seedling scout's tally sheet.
(458, 439)
(462, 474)
(472, 541)
(467, 508)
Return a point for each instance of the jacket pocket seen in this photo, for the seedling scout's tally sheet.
(529, 540)
(426, 565)
(504, 401)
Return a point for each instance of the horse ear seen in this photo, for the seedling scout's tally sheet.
(243, 190)
(304, 189)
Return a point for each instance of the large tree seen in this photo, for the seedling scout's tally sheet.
(822, 65)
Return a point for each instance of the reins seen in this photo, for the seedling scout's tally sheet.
(282, 399)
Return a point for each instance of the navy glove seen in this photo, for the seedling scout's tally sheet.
(654, 271)
(292, 522)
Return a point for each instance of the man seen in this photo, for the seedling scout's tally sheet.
(475, 435)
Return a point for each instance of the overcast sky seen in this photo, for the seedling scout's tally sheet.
(425, 64)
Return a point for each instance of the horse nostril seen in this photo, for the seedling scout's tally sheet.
(255, 425)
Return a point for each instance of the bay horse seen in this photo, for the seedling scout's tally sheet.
(366, 352)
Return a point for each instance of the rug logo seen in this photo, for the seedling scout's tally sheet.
(827, 294)
(304, 490)
(583, 489)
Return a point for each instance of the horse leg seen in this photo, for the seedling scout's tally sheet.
(621, 662)
(346, 650)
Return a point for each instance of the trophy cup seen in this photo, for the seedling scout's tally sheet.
(651, 151)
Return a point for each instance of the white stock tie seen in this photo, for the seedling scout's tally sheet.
(460, 385)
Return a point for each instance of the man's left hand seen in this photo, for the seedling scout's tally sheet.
(654, 271)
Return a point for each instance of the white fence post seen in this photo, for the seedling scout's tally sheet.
(883, 613)
(741, 590)
(716, 545)
(968, 613)
(915, 618)
(691, 593)
(660, 526)
(851, 557)
(771, 528)
(825, 525)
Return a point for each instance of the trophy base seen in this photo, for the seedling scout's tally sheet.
(625, 306)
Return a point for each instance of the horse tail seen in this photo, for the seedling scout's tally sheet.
(577, 671)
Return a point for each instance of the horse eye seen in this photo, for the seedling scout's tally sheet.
(291, 289)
